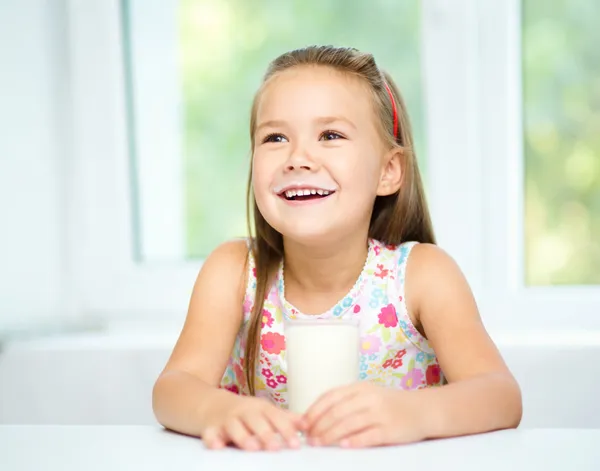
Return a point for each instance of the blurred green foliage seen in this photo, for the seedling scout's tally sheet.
(226, 47)
(561, 104)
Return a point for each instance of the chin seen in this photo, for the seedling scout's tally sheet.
(310, 226)
(314, 237)
(304, 233)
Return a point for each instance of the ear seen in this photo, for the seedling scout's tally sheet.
(391, 173)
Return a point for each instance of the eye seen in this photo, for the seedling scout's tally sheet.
(275, 137)
(330, 136)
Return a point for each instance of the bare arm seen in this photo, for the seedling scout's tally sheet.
(482, 394)
(186, 392)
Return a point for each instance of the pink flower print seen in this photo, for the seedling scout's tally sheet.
(400, 354)
(370, 344)
(390, 247)
(267, 319)
(433, 374)
(397, 363)
(377, 250)
(388, 316)
(272, 383)
(267, 373)
(281, 379)
(254, 272)
(356, 309)
(413, 379)
(272, 342)
(233, 388)
(383, 272)
(387, 363)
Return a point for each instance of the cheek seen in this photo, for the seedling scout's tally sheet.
(363, 174)
(261, 180)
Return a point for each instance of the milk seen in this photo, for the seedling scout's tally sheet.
(321, 355)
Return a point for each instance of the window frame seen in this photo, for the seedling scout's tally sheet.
(475, 189)
(112, 284)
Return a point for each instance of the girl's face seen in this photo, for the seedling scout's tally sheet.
(319, 161)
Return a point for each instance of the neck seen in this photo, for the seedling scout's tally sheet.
(325, 268)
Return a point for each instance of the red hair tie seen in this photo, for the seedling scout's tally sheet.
(394, 110)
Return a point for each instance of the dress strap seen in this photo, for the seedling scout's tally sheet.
(402, 255)
(250, 293)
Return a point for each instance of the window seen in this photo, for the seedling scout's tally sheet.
(561, 105)
(503, 96)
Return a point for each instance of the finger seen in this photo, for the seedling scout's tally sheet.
(287, 424)
(262, 429)
(326, 401)
(240, 436)
(370, 437)
(298, 419)
(213, 439)
(339, 412)
(347, 427)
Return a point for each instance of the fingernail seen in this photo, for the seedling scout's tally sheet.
(294, 443)
(273, 445)
(314, 442)
(217, 444)
(252, 444)
(345, 443)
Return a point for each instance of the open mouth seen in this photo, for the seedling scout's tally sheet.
(305, 194)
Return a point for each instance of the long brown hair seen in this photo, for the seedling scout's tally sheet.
(396, 218)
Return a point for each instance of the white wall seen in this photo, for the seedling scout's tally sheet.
(32, 150)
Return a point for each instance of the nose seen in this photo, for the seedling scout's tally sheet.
(300, 159)
(294, 165)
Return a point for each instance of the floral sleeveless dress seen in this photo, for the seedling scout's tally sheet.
(392, 352)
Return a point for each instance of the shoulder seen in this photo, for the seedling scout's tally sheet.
(233, 251)
(227, 262)
(429, 260)
(432, 275)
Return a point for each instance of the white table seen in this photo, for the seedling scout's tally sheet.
(104, 448)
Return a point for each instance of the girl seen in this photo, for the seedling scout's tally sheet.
(341, 229)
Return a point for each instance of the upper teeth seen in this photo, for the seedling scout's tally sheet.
(305, 192)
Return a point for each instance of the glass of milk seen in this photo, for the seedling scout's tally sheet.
(321, 354)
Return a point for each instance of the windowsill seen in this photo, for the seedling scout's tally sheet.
(163, 335)
(117, 336)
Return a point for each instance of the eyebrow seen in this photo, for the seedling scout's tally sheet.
(276, 123)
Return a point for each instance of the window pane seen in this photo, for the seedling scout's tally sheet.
(561, 75)
(225, 47)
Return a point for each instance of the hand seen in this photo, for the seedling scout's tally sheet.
(252, 424)
(365, 415)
